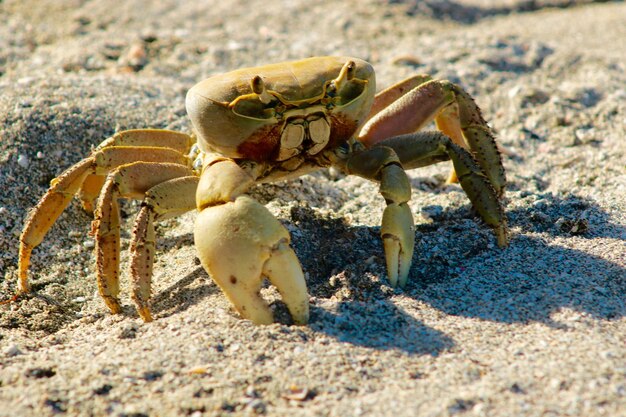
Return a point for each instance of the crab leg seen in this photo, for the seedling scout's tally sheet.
(397, 230)
(90, 190)
(455, 114)
(41, 218)
(424, 148)
(239, 242)
(127, 181)
(384, 98)
(165, 200)
(65, 186)
(136, 138)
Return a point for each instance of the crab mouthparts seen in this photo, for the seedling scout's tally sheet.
(311, 133)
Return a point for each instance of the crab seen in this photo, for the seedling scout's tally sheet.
(265, 124)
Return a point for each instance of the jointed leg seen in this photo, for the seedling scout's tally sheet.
(455, 114)
(424, 148)
(87, 177)
(42, 217)
(162, 138)
(128, 181)
(397, 230)
(108, 158)
(130, 141)
(384, 98)
(165, 200)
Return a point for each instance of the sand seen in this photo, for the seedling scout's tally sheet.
(536, 329)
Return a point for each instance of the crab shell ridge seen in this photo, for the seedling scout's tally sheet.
(230, 118)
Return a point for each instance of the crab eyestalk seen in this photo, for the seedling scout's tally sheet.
(346, 74)
(258, 86)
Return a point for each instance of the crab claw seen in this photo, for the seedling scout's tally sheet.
(239, 243)
(398, 235)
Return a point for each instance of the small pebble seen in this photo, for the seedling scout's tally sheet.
(585, 135)
(296, 393)
(198, 370)
(103, 389)
(12, 350)
(408, 60)
(258, 406)
(26, 80)
(152, 375)
(22, 160)
(89, 244)
(129, 331)
(514, 91)
(251, 392)
(39, 373)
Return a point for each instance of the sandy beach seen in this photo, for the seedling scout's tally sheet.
(535, 329)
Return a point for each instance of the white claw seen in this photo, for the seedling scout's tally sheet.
(240, 242)
(406, 258)
(284, 271)
(392, 249)
(398, 235)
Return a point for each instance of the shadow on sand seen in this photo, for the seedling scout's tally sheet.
(468, 14)
(529, 281)
(454, 270)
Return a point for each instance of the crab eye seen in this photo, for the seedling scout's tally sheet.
(346, 87)
(257, 84)
(258, 105)
(350, 70)
(346, 93)
(258, 87)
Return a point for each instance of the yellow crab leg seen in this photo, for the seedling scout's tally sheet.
(65, 186)
(135, 138)
(90, 190)
(448, 122)
(165, 200)
(161, 138)
(41, 218)
(127, 181)
(455, 113)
